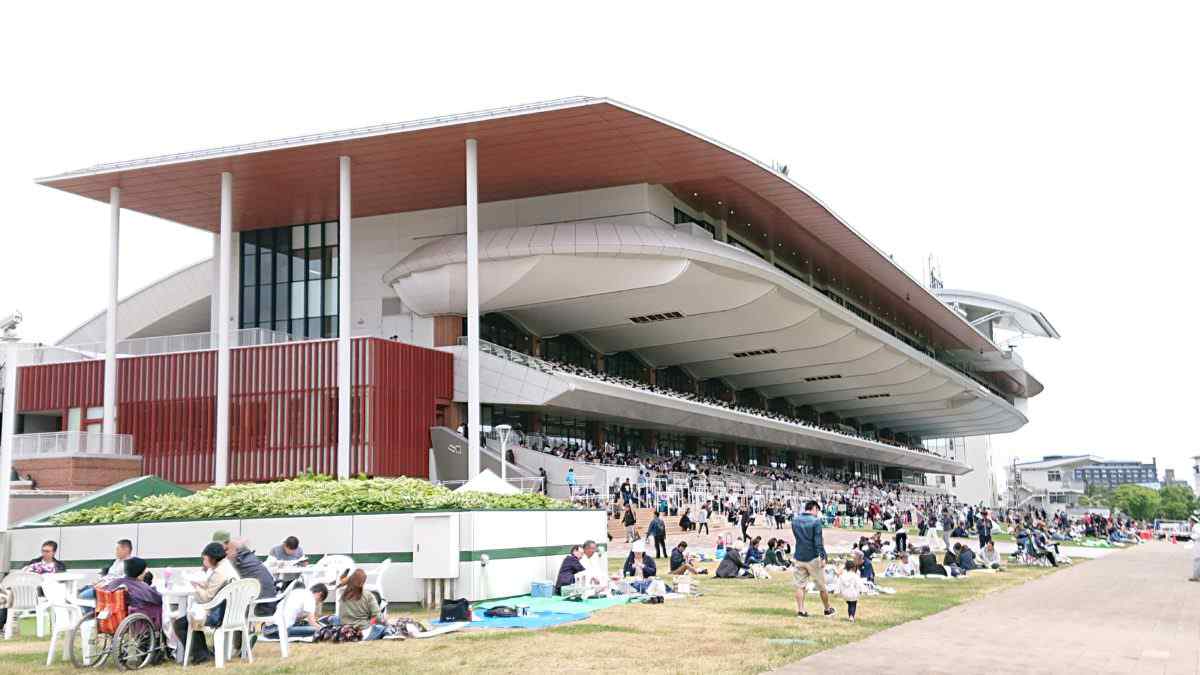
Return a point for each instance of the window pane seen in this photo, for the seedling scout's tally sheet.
(281, 301)
(74, 419)
(95, 412)
(297, 299)
(281, 326)
(331, 233)
(314, 328)
(330, 327)
(314, 263)
(264, 268)
(248, 307)
(297, 327)
(281, 268)
(329, 261)
(249, 270)
(297, 237)
(264, 306)
(249, 247)
(314, 235)
(331, 297)
(314, 298)
(297, 265)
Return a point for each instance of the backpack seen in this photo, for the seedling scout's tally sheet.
(501, 611)
(456, 610)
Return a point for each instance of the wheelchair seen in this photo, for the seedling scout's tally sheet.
(112, 632)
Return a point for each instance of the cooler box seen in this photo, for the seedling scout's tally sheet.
(541, 589)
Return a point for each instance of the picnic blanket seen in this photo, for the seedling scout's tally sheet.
(534, 620)
(559, 605)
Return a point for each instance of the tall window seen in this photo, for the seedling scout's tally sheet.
(289, 280)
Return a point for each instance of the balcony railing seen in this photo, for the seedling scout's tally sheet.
(188, 342)
(32, 446)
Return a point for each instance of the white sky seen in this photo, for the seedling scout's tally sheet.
(1042, 151)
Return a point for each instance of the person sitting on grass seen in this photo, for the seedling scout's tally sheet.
(928, 565)
(639, 565)
(570, 566)
(989, 557)
(359, 608)
(681, 562)
(904, 566)
(731, 566)
(754, 554)
(966, 557)
(301, 611)
(774, 557)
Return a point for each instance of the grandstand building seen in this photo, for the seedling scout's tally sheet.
(629, 282)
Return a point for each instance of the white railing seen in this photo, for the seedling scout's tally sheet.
(522, 483)
(188, 342)
(30, 446)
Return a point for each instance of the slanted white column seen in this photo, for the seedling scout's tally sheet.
(7, 429)
(214, 318)
(109, 425)
(344, 353)
(225, 246)
(473, 416)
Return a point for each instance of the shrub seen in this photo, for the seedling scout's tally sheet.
(307, 495)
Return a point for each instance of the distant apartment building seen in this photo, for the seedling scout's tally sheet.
(1058, 481)
(1114, 473)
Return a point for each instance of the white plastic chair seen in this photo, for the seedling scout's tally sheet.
(376, 581)
(238, 596)
(63, 616)
(277, 618)
(24, 586)
(332, 567)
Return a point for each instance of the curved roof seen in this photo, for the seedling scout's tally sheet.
(1012, 315)
(544, 148)
(738, 318)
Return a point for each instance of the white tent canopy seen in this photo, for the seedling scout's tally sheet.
(486, 481)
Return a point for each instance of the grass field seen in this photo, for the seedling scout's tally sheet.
(737, 626)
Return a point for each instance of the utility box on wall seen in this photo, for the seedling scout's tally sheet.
(435, 546)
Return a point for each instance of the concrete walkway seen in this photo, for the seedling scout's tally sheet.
(1130, 612)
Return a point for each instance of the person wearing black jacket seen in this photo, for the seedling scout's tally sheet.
(928, 563)
(657, 529)
(629, 521)
(568, 569)
(636, 560)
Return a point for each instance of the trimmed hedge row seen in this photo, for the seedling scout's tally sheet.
(304, 496)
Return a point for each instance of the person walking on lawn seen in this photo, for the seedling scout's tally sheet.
(809, 557)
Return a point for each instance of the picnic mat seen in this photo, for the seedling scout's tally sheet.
(534, 620)
(557, 604)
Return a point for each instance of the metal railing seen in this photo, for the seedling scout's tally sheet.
(187, 342)
(29, 446)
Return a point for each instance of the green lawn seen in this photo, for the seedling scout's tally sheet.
(740, 626)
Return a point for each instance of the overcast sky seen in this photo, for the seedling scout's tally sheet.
(1046, 152)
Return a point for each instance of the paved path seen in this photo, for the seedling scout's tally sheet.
(1130, 612)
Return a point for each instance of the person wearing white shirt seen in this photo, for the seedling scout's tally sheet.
(1195, 536)
(850, 586)
(595, 570)
(300, 612)
(114, 571)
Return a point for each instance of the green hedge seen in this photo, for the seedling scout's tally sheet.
(304, 496)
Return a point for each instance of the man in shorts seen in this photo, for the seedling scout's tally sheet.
(809, 557)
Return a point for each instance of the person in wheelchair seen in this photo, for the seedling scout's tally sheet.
(141, 597)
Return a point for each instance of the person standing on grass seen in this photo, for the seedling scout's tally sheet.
(809, 557)
(630, 523)
(985, 529)
(702, 518)
(657, 529)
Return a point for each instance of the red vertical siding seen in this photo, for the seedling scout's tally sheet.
(283, 407)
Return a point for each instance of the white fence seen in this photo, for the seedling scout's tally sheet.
(32, 446)
(187, 342)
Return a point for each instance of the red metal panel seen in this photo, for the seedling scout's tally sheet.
(60, 386)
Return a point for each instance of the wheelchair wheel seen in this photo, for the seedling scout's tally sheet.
(88, 647)
(135, 642)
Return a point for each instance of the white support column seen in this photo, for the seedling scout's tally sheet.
(473, 416)
(214, 319)
(109, 425)
(7, 429)
(224, 250)
(344, 352)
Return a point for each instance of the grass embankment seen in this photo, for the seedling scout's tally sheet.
(737, 626)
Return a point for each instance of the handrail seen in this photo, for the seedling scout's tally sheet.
(30, 446)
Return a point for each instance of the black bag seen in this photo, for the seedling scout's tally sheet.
(456, 610)
(501, 611)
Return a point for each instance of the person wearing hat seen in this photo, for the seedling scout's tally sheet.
(140, 596)
(1195, 536)
(638, 564)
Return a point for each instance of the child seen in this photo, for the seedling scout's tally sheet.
(850, 587)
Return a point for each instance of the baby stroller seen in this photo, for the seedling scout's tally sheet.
(132, 640)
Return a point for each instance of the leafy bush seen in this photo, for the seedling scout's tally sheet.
(307, 495)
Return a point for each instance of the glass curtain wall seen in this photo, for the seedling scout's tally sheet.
(289, 280)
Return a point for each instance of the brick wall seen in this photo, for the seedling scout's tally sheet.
(79, 473)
